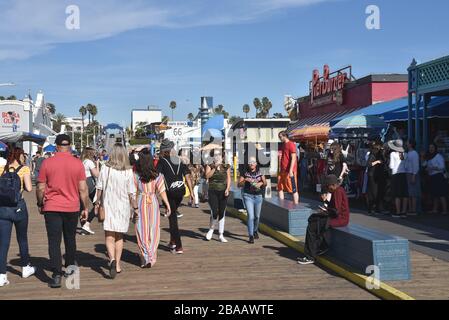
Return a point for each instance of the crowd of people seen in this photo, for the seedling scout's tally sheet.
(118, 188)
(141, 187)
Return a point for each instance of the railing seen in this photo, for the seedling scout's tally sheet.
(430, 76)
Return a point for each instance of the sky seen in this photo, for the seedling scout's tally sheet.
(136, 53)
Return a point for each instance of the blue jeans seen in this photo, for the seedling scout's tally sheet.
(253, 204)
(8, 218)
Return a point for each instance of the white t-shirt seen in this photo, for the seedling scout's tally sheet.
(3, 161)
(88, 165)
(396, 164)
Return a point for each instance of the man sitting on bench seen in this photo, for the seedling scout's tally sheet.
(334, 213)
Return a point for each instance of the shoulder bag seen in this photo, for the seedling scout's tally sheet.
(101, 211)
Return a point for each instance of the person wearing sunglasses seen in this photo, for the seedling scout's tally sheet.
(253, 183)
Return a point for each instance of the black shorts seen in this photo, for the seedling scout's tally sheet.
(438, 185)
(399, 186)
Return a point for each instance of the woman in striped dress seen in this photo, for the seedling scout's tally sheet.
(149, 184)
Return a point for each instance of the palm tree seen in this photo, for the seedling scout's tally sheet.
(93, 112)
(89, 110)
(220, 110)
(278, 115)
(266, 106)
(51, 108)
(165, 119)
(58, 121)
(258, 105)
(172, 107)
(246, 109)
(83, 112)
(190, 116)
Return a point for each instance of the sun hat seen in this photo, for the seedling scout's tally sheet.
(396, 145)
(166, 145)
(330, 180)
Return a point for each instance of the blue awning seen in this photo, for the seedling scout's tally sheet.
(378, 109)
(14, 137)
(437, 108)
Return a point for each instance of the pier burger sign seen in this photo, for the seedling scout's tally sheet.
(328, 88)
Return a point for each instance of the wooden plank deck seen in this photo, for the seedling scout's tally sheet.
(207, 270)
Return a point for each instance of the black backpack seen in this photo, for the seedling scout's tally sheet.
(10, 188)
(177, 187)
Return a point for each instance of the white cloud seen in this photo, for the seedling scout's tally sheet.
(30, 27)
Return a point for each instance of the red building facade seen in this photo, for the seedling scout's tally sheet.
(335, 94)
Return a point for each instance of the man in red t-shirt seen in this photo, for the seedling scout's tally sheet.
(61, 188)
(287, 179)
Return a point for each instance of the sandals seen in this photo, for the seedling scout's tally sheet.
(113, 269)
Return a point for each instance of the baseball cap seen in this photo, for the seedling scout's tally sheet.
(61, 138)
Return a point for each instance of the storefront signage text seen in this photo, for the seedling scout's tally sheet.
(327, 85)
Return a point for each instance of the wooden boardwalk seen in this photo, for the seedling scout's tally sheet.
(207, 270)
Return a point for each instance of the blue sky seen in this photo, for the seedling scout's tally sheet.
(135, 53)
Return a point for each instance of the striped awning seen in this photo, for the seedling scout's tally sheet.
(314, 127)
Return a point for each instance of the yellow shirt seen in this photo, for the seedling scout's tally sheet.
(22, 172)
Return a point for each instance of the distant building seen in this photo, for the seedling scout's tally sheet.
(260, 136)
(149, 115)
(26, 116)
(76, 123)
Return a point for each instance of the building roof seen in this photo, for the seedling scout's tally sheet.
(255, 122)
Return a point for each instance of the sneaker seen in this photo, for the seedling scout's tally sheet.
(222, 239)
(88, 230)
(3, 280)
(197, 206)
(179, 215)
(256, 235)
(177, 251)
(172, 245)
(404, 216)
(251, 240)
(28, 271)
(209, 234)
(395, 215)
(55, 282)
(305, 261)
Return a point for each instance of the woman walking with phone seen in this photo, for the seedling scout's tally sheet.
(253, 182)
(219, 175)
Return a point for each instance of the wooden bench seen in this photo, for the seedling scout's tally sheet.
(360, 247)
(286, 216)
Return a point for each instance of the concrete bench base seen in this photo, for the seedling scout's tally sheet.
(360, 247)
(286, 216)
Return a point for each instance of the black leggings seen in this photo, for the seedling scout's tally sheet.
(217, 202)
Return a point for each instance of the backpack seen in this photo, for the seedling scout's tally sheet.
(178, 185)
(10, 188)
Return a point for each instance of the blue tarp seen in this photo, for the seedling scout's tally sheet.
(213, 128)
(378, 109)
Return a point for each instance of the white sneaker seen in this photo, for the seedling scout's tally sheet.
(88, 230)
(209, 234)
(3, 280)
(28, 271)
(222, 239)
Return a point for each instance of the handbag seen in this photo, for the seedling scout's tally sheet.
(101, 211)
